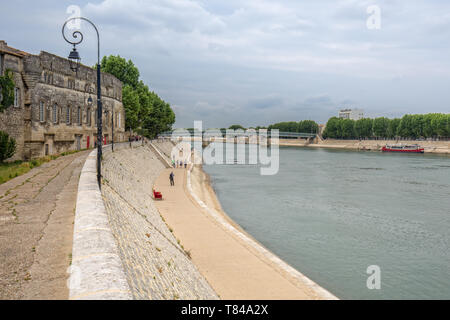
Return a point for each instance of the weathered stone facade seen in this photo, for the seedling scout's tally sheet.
(51, 114)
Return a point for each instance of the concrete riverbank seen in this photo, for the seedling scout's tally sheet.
(234, 264)
(437, 147)
(156, 265)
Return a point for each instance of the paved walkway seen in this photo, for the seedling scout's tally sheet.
(233, 270)
(36, 229)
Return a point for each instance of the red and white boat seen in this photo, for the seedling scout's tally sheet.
(415, 148)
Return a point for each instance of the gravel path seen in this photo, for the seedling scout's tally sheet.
(36, 229)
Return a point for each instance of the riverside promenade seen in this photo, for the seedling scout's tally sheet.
(234, 265)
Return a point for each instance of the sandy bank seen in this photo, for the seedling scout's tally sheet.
(234, 264)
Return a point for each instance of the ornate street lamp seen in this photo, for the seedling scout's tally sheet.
(75, 59)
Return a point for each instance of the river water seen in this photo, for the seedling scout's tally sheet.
(332, 214)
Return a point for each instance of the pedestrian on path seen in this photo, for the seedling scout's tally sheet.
(171, 178)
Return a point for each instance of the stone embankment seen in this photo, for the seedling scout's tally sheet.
(154, 261)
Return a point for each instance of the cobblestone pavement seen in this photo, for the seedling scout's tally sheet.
(36, 229)
(156, 265)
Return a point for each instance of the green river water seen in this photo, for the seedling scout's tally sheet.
(332, 214)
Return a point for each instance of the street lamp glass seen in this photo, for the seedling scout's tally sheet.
(89, 101)
(74, 59)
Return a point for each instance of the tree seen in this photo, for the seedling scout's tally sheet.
(393, 127)
(308, 126)
(122, 69)
(6, 90)
(380, 127)
(7, 146)
(364, 128)
(332, 129)
(347, 127)
(236, 127)
(145, 111)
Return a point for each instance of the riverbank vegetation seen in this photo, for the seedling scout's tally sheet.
(7, 146)
(11, 170)
(145, 112)
(305, 126)
(416, 126)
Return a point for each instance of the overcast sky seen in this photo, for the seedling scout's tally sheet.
(255, 62)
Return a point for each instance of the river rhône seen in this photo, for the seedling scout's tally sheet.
(332, 214)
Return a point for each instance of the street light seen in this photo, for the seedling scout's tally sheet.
(74, 59)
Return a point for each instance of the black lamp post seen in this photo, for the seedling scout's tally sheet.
(75, 59)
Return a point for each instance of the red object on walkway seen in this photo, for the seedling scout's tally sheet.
(157, 194)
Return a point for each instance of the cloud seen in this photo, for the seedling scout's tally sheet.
(261, 61)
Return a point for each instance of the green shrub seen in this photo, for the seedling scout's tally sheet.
(7, 146)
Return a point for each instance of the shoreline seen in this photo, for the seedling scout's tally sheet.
(199, 184)
(431, 147)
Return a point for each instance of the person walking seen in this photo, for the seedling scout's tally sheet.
(171, 178)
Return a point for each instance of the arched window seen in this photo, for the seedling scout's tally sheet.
(68, 115)
(55, 113)
(95, 117)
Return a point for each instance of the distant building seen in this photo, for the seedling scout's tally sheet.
(353, 114)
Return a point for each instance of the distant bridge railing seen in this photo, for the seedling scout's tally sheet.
(218, 133)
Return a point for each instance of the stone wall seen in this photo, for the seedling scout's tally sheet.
(53, 113)
(12, 119)
(155, 263)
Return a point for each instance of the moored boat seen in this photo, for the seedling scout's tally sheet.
(415, 148)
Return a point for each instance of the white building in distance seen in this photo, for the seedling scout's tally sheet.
(353, 114)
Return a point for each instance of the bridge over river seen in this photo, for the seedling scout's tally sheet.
(236, 136)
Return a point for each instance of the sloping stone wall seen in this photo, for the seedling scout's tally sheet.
(155, 263)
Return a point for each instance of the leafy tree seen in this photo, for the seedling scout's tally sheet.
(145, 111)
(347, 128)
(392, 128)
(122, 69)
(308, 126)
(7, 146)
(236, 127)
(364, 128)
(332, 129)
(380, 127)
(6, 90)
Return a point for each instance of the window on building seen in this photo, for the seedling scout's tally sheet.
(79, 116)
(88, 117)
(67, 115)
(120, 120)
(95, 117)
(16, 97)
(55, 113)
(41, 112)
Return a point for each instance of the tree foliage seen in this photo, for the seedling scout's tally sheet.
(305, 126)
(6, 90)
(145, 111)
(432, 125)
(7, 146)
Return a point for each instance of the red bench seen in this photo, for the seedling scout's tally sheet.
(157, 195)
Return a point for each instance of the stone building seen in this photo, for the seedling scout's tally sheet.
(51, 113)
